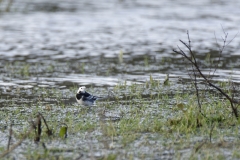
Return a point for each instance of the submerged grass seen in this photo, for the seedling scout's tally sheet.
(148, 120)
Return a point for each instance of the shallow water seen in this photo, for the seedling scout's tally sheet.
(49, 48)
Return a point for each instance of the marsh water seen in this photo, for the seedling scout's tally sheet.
(99, 44)
(84, 39)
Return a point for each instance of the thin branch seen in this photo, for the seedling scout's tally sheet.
(232, 39)
(195, 64)
(3, 154)
(49, 131)
(10, 136)
(39, 129)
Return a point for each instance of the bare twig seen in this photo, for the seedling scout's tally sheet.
(49, 131)
(39, 129)
(194, 63)
(193, 59)
(200, 146)
(224, 45)
(19, 142)
(10, 136)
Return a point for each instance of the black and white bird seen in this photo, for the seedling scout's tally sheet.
(85, 98)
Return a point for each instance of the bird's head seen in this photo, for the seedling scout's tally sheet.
(81, 89)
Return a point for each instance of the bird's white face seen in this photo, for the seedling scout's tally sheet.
(81, 89)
